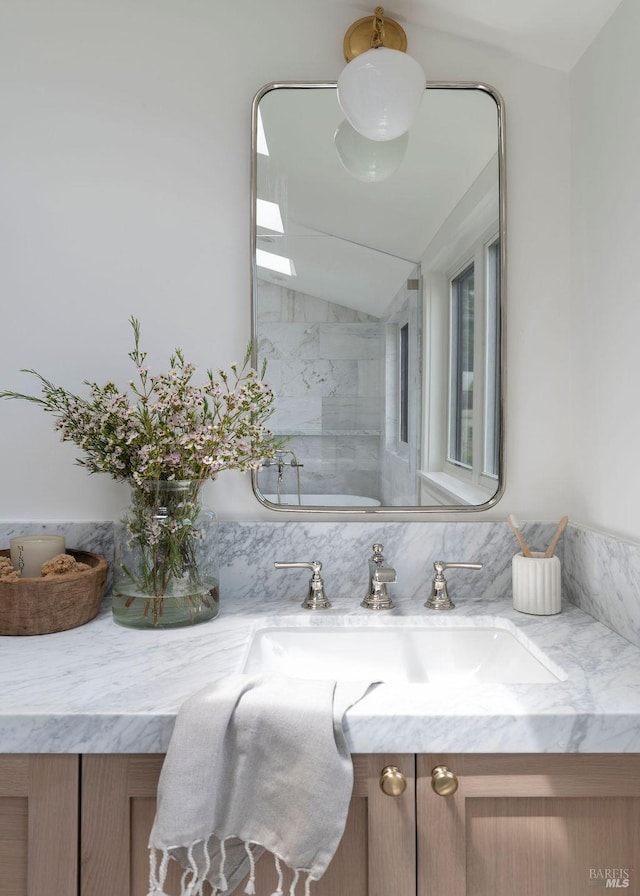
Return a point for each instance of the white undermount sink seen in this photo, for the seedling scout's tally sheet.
(442, 654)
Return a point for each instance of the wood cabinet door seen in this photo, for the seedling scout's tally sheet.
(535, 825)
(38, 825)
(376, 856)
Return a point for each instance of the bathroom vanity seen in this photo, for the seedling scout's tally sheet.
(547, 774)
(552, 823)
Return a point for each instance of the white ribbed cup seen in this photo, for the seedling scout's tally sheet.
(536, 584)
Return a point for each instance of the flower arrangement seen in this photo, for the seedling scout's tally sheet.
(166, 436)
(167, 428)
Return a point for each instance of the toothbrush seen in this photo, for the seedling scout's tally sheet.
(513, 522)
(562, 525)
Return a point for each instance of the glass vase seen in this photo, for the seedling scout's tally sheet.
(165, 563)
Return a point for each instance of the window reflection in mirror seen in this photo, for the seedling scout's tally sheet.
(378, 304)
(461, 369)
(403, 397)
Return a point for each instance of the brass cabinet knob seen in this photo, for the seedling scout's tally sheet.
(392, 781)
(443, 781)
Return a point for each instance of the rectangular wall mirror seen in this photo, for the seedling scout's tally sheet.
(378, 302)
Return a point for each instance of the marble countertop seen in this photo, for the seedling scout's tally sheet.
(107, 689)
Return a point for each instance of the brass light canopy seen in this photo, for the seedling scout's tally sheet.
(373, 31)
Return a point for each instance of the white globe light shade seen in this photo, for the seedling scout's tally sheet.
(370, 161)
(380, 91)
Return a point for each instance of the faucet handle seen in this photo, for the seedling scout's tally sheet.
(377, 557)
(316, 598)
(439, 598)
(440, 566)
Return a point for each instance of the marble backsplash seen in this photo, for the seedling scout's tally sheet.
(601, 574)
(602, 577)
(249, 549)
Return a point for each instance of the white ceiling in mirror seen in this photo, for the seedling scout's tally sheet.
(554, 33)
(301, 175)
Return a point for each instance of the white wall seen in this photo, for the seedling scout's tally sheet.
(605, 332)
(124, 189)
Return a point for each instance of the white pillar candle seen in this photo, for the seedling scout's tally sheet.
(29, 552)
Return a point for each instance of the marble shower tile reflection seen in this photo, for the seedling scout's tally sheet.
(270, 301)
(351, 414)
(273, 376)
(307, 448)
(353, 452)
(370, 383)
(339, 449)
(303, 307)
(367, 452)
(278, 302)
(297, 416)
(285, 341)
(355, 341)
(317, 377)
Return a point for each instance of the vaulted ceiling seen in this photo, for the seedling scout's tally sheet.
(554, 33)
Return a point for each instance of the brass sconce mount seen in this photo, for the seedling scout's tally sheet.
(373, 31)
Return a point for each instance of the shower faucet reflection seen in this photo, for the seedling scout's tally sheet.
(285, 458)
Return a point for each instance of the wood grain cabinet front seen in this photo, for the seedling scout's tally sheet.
(376, 856)
(447, 825)
(38, 825)
(535, 825)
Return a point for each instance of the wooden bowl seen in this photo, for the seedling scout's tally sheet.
(39, 606)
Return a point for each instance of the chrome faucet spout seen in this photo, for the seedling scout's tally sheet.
(380, 575)
(384, 576)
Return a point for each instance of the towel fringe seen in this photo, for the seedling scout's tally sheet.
(194, 877)
(222, 880)
(250, 888)
(157, 876)
(189, 889)
(183, 883)
(278, 891)
(153, 871)
(205, 869)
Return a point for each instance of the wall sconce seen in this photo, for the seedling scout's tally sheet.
(381, 88)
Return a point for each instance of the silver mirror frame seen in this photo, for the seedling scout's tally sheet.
(312, 510)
